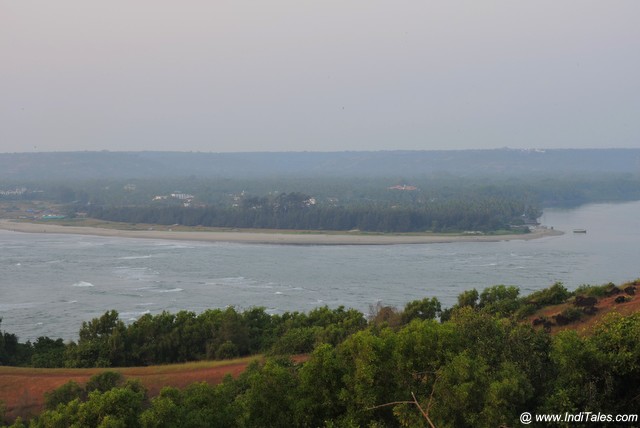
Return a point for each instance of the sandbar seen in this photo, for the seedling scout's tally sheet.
(275, 237)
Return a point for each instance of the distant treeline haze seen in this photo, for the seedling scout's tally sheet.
(381, 204)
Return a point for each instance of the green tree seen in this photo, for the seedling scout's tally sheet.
(48, 353)
(425, 309)
(269, 400)
(295, 341)
(166, 410)
(62, 395)
(471, 393)
(580, 375)
(468, 298)
(101, 343)
(553, 295)
(320, 385)
(12, 352)
(500, 300)
(104, 381)
(370, 376)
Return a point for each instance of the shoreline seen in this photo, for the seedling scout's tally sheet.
(306, 238)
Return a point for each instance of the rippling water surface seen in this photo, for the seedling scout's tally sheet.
(51, 283)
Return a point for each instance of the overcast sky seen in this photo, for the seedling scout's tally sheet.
(318, 75)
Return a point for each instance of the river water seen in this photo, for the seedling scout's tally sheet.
(50, 283)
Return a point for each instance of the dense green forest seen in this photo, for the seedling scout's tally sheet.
(440, 203)
(542, 191)
(299, 211)
(480, 365)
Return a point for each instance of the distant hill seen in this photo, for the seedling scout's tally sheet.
(98, 165)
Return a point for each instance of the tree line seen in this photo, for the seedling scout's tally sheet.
(479, 366)
(299, 211)
(542, 190)
(166, 338)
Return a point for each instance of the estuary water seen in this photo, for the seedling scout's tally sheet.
(50, 283)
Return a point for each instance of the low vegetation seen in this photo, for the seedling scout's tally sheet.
(482, 364)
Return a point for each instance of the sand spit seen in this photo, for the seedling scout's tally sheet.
(291, 238)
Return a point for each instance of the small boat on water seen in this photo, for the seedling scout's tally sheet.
(579, 230)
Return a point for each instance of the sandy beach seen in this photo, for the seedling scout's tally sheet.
(307, 238)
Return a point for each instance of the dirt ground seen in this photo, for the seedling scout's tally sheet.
(22, 389)
(584, 325)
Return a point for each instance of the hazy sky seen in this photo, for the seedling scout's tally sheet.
(318, 75)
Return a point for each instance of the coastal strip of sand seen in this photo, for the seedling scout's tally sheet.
(275, 237)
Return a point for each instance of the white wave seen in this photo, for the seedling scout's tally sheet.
(136, 273)
(129, 269)
(171, 290)
(135, 257)
(238, 281)
(10, 306)
(165, 246)
(232, 279)
(278, 292)
(132, 316)
(83, 284)
(485, 265)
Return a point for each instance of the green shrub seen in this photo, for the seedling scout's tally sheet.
(63, 395)
(572, 314)
(227, 351)
(104, 381)
(48, 353)
(525, 311)
(468, 298)
(553, 295)
(594, 290)
(500, 300)
(295, 341)
(425, 309)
